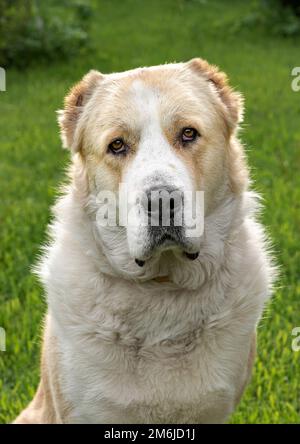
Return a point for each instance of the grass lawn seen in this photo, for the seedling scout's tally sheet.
(126, 34)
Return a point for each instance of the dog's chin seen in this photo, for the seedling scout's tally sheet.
(170, 266)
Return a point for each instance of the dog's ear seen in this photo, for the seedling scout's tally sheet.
(232, 100)
(74, 104)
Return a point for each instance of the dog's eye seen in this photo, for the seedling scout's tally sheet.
(117, 146)
(189, 134)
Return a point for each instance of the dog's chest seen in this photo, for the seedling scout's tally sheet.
(187, 368)
(184, 381)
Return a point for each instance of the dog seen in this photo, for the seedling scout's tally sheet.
(146, 324)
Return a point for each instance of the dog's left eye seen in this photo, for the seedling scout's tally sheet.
(189, 134)
(117, 146)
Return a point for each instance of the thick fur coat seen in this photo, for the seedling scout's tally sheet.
(172, 341)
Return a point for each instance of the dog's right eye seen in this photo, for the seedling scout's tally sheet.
(189, 135)
(117, 146)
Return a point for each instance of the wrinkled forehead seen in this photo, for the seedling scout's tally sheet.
(170, 95)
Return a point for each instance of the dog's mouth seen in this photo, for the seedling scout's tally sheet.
(190, 256)
(162, 240)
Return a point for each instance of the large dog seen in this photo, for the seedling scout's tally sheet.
(146, 324)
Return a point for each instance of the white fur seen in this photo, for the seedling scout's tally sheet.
(135, 350)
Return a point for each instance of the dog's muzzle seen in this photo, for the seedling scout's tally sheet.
(165, 210)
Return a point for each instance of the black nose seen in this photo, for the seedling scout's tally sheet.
(163, 205)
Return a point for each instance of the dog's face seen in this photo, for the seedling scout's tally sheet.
(163, 133)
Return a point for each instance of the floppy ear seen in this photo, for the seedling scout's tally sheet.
(74, 104)
(232, 100)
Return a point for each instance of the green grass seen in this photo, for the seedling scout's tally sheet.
(124, 35)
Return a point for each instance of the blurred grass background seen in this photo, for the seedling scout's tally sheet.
(122, 35)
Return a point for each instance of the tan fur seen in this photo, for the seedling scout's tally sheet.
(47, 406)
(74, 102)
(248, 369)
(231, 99)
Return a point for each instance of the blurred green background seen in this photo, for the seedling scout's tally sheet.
(46, 47)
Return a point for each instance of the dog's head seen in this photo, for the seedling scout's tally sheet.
(164, 133)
